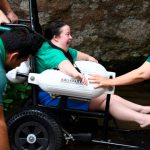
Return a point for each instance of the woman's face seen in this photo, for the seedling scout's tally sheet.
(65, 38)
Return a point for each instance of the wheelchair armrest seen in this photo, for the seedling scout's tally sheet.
(7, 27)
(4, 29)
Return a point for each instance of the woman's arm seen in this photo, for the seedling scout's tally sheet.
(5, 6)
(138, 75)
(67, 68)
(84, 56)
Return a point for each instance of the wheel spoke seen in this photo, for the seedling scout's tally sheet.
(25, 130)
(32, 147)
(42, 141)
(37, 130)
(22, 141)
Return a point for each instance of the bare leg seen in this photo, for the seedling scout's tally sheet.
(120, 111)
(131, 105)
(4, 144)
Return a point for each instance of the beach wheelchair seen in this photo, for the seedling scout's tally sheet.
(37, 127)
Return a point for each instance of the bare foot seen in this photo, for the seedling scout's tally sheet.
(145, 120)
(146, 110)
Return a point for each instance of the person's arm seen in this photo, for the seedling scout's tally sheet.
(4, 142)
(84, 56)
(6, 8)
(67, 68)
(138, 75)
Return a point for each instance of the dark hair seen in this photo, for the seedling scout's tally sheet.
(22, 40)
(53, 28)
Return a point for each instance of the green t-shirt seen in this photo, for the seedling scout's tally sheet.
(2, 71)
(49, 58)
(148, 59)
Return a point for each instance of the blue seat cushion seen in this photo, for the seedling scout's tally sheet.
(46, 99)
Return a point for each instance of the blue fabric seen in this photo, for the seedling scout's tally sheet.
(48, 100)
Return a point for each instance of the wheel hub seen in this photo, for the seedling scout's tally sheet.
(31, 138)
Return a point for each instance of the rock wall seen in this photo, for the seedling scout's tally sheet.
(113, 31)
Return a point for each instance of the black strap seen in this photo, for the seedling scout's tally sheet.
(63, 101)
(67, 54)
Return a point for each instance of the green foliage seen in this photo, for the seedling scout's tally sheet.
(15, 96)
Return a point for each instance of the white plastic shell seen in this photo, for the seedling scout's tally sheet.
(54, 81)
(24, 68)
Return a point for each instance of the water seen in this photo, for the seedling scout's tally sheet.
(140, 94)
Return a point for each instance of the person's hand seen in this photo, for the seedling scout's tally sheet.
(98, 80)
(3, 18)
(90, 58)
(82, 78)
(12, 17)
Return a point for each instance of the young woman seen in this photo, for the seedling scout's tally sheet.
(57, 54)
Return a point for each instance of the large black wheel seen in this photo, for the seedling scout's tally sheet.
(33, 129)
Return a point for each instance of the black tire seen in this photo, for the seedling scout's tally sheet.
(33, 129)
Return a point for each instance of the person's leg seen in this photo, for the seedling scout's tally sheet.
(120, 111)
(131, 105)
(4, 143)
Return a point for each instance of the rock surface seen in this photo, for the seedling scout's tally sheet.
(112, 31)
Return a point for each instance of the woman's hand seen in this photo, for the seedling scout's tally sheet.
(9, 17)
(81, 78)
(3, 18)
(12, 17)
(98, 80)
